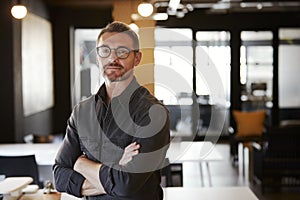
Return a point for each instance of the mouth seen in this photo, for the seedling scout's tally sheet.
(113, 66)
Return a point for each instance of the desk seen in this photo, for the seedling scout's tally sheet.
(171, 193)
(205, 193)
(201, 152)
(178, 152)
(40, 196)
(44, 153)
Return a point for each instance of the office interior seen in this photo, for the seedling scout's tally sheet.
(251, 54)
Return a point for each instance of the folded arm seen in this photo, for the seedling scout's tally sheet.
(67, 179)
(131, 178)
(90, 170)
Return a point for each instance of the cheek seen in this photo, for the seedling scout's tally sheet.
(98, 60)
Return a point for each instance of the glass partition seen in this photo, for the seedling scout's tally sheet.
(289, 70)
(85, 75)
(213, 80)
(173, 76)
(173, 55)
(256, 69)
(213, 54)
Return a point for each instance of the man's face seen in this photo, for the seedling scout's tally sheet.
(116, 68)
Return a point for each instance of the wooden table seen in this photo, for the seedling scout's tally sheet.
(209, 193)
(40, 196)
(200, 152)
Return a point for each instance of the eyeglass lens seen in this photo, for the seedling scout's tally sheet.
(105, 51)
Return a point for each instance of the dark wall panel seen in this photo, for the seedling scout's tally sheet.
(64, 21)
(6, 74)
(13, 124)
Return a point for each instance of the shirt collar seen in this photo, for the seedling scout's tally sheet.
(123, 97)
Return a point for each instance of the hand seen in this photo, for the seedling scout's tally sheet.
(90, 170)
(80, 163)
(89, 190)
(130, 151)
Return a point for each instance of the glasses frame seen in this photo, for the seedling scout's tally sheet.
(115, 50)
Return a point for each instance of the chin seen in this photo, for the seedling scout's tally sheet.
(116, 77)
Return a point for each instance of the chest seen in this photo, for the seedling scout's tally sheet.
(101, 136)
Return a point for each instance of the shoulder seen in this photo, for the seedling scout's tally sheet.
(84, 104)
(143, 100)
(143, 96)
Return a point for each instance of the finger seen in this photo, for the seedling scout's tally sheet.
(131, 147)
(135, 152)
(135, 147)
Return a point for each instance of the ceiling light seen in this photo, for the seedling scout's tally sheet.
(171, 11)
(259, 6)
(145, 9)
(190, 7)
(221, 6)
(19, 11)
(134, 27)
(135, 16)
(173, 4)
(155, 16)
(160, 16)
(180, 14)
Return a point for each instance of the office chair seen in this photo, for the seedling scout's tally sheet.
(13, 166)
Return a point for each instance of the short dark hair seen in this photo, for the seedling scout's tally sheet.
(121, 27)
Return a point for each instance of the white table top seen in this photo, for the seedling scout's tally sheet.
(179, 152)
(209, 193)
(179, 193)
(44, 152)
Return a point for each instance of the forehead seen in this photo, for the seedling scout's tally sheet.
(114, 39)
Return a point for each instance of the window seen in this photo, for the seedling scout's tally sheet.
(256, 69)
(289, 70)
(173, 73)
(175, 57)
(173, 76)
(213, 66)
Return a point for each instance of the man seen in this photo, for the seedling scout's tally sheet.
(116, 140)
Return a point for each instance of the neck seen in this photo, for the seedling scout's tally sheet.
(115, 88)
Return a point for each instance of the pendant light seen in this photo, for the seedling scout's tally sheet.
(145, 9)
(19, 11)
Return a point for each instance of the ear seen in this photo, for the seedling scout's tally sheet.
(138, 58)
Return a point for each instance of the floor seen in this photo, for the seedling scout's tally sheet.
(224, 174)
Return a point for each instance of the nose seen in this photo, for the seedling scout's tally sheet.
(113, 55)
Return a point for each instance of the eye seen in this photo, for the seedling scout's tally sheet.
(104, 50)
(122, 51)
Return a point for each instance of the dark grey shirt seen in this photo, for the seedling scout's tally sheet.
(102, 132)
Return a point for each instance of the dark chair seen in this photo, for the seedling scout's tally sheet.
(277, 161)
(13, 166)
(169, 171)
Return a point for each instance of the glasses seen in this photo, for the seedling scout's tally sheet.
(120, 52)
